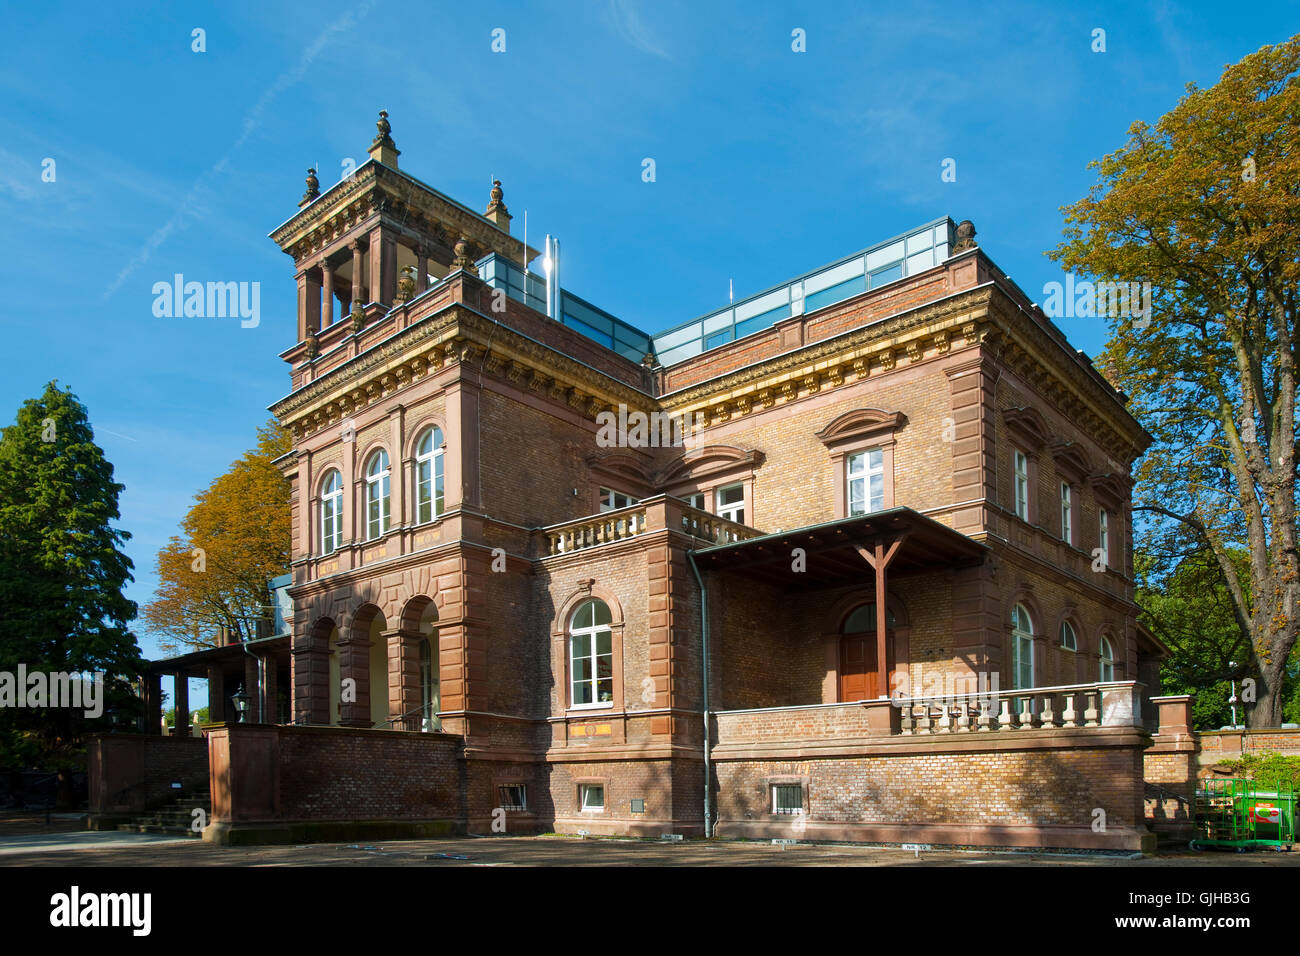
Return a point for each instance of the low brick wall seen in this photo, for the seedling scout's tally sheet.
(132, 773)
(273, 784)
(1219, 745)
(1038, 788)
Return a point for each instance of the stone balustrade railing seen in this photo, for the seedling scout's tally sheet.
(1112, 704)
(596, 530)
(701, 524)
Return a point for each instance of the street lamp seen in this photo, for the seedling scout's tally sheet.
(241, 705)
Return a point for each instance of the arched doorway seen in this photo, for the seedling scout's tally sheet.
(858, 672)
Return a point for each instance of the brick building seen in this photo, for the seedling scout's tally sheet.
(880, 589)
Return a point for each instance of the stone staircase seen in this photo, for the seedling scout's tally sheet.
(176, 817)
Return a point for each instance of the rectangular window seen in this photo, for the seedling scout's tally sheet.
(512, 796)
(731, 503)
(696, 500)
(787, 798)
(591, 796)
(611, 500)
(1022, 484)
(429, 493)
(1103, 536)
(865, 473)
(1067, 514)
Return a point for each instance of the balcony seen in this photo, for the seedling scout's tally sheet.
(651, 514)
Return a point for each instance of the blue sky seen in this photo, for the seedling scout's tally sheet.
(769, 163)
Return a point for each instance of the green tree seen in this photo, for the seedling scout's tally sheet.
(1205, 206)
(233, 540)
(61, 569)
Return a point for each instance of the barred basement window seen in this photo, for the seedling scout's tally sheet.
(591, 796)
(787, 798)
(513, 796)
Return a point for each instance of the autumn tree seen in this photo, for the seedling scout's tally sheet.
(62, 574)
(1205, 206)
(233, 540)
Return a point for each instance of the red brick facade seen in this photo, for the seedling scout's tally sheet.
(947, 372)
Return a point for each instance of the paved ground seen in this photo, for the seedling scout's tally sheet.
(69, 847)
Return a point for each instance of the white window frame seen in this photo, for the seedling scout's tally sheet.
(776, 808)
(1067, 513)
(1103, 535)
(698, 500)
(593, 632)
(734, 510)
(859, 468)
(430, 477)
(1073, 645)
(1020, 469)
(586, 789)
(1105, 661)
(331, 512)
(1022, 646)
(611, 500)
(378, 491)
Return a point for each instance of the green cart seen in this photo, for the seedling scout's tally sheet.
(1238, 813)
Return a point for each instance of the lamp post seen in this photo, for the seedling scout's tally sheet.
(1232, 700)
(241, 705)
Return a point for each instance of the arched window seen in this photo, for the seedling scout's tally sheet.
(1022, 648)
(331, 513)
(377, 495)
(1105, 661)
(1068, 639)
(591, 654)
(428, 475)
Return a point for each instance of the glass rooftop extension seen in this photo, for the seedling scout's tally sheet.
(878, 265)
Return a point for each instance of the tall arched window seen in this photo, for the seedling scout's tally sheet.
(1068, 639)
(377, 495)
(331, 513)
(1022, 647)
(1105, 661)
(428, 475)
(591, 654)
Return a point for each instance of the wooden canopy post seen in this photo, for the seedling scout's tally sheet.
(879, 557)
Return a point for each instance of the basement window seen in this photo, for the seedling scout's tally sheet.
(512, 796)
(591, 796)
(787, 798)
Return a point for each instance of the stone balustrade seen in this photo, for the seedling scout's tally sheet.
(596, 530)
(650, 514)
(1113, 704)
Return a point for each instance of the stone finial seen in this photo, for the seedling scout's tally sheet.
(965, 236)
(462, 260)
(313, 189)
(648, 360)
(496, 210)
(406, 284)
(358, 315)
(313, 344)
(382, 148)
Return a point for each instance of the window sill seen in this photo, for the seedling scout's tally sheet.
(605, 705)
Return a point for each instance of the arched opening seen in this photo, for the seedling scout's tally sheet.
(336, 675)
(378, 667)
(859, 650)
(591, 655)
(430, 692)
(1105, 661)
(1022, 648)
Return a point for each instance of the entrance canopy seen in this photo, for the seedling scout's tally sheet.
(834, 550)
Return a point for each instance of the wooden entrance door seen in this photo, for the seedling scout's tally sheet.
(858, 665)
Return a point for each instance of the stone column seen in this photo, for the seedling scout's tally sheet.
(151, 687)
(404, 673)
(354, 662)
(216, 695)
(327, 293)
(358, 286)
(421, 269)
(308, 303)
(309, 668)
(253, 691)
(182, 695)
